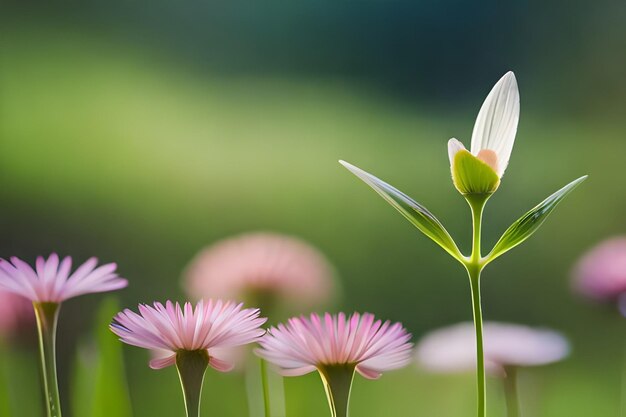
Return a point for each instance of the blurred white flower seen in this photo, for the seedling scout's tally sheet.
(453, 349)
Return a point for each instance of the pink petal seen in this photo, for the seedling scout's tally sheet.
(160, 363)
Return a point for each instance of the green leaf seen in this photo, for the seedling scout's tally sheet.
(470, 175)
(83, 382)
(100, 388)
(414, 212)
(5, 380)
(111, 396)
(526, 225)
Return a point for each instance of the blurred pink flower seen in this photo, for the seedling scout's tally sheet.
(306, 344)
(453, 349)
(284, 268)
(601, 272)
(211, 326)
(51, 281)
(16, 314)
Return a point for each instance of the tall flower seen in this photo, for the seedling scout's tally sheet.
(337, 346)
(265, 269)
(600, 274)
(192, 336)
(476, 174)
(480, 170)
(508, 347)
(47, 286)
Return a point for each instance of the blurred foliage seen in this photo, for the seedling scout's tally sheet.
(100, 387)
(124, 150)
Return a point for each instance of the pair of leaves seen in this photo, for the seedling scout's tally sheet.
(428, 224)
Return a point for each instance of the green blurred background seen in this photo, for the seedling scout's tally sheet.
(141, 131)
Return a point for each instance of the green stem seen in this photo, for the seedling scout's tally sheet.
(47, 317)
(337, 381)
(510, 392)
(191, 366)
(266, 389)
(474, 265)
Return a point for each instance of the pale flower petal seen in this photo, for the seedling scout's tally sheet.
(454, 145)
(368, 373)
(220, 365)
(496, 124)
(160, 363)
(453, 348)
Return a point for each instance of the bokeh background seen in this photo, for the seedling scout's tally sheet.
(141, 131)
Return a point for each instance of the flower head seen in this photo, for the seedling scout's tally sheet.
(210, 326)
(453, 348)
(258, 266)
(306, 344)
(480, 170)
(52, 282)
(601, 272)
(16, 313)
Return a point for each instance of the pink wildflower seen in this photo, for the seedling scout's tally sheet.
(51, 282)
(306, 344)
(210, 326)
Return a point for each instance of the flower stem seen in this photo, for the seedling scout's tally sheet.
(47, 317)
(266, 389)
(191, 366)
(338, 383)
(474, 265)
(510, 392)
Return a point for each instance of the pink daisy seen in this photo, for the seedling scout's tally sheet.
(16, 313)
(51, 282)
(260, 267)
(211, 326)
(306, 344)
(601, 272)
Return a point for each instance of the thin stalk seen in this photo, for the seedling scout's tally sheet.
(338, 384)
(47, 317)
(191, 366)
(511, 395)
(266, 389)
(474, 265)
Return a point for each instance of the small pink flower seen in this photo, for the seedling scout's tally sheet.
(262, 264)
(51, 281)
(453, 348)
(601, 272)
(306, 344)
(211, 326)
(16, 313)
